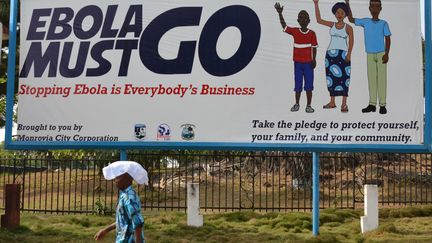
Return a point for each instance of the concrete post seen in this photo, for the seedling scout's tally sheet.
(193, 216)
(369, 221)
(11, 218)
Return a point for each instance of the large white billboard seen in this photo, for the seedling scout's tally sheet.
(221, 71)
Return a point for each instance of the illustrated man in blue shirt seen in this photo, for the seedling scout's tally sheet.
(129, 221)
(377, 41)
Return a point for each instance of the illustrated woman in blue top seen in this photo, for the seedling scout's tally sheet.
(338, 56)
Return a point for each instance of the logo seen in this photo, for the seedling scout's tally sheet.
(140, 131)
(163, 132)
(188, 131)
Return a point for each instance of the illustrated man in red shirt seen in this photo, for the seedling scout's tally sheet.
(305, 44)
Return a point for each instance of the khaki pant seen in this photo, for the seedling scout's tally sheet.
(377, 79)
(377, 76)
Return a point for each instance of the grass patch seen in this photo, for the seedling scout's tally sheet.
(336, 226)
(410, 212)
(388, 228)
(337, 215)
(83, 222)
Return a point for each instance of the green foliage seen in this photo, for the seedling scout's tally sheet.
(4, 18)
(2, 110)
(388, 228)
(101, 208)
(4, 11)
(84, 222)
(240, 216)
(68, 154)
(425, 211)
(224, 227)
(337, 215)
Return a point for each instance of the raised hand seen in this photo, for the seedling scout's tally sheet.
(278, 7)
(315, 1)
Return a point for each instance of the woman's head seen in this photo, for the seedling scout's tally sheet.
(340, 10)
(123, 181)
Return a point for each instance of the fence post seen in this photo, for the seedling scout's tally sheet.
(11, 218)
(193, 197)
(370, 219)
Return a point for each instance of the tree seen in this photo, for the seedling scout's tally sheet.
(4, 11)
(4, 18)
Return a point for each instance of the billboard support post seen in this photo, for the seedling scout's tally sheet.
(428, 56)
(123, 155)
(10, 86)
(315, 193)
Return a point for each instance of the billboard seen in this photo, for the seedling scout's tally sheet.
(244, 72)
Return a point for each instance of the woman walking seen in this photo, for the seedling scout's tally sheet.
(338, 56)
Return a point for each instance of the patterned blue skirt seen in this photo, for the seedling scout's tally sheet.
(338, 72)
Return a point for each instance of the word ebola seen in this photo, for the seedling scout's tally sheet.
(79, 89)
(63, 41)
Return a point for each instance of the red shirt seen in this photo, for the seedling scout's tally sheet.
(303, 44)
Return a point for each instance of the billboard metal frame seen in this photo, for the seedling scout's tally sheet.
(20, 145)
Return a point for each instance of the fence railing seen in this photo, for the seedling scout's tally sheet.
(229, 181)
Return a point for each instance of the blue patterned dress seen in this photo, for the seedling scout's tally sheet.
(338, 71)
(128, 216)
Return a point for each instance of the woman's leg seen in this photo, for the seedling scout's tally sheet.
(344, 107)
(344, 100)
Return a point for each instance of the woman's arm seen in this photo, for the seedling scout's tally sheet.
(350, 15)
(318, 16)
(101, 233)
(350, 42)
(138, 235)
